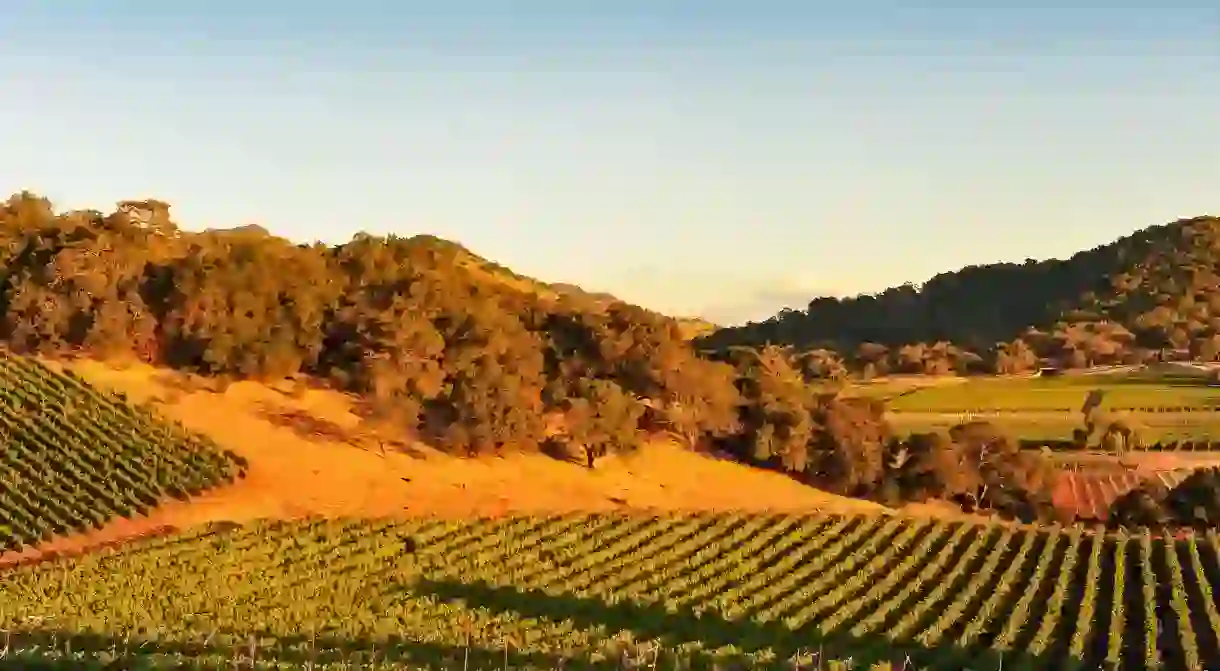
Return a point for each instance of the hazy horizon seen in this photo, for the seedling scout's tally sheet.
(699, 158)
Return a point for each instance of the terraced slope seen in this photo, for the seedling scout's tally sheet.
(569, 591)
(72, 458)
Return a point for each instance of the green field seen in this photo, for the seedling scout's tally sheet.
(1164, 408)
(582, 591)
(1051, 394)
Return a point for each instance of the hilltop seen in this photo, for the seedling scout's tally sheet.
(452, 348)
(1124, 302)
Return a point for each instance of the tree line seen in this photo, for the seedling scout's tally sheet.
(1194, 502)
(1147, 296)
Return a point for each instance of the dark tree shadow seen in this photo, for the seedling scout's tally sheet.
(674, 626)
(671, 626)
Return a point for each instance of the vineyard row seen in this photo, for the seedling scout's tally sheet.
(714, 588)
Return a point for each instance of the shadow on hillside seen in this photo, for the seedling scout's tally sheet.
(671, 626)
(676, 626)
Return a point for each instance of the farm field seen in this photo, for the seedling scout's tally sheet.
(1057, 395)
(580, 591)
(75, 458)
(1053, 427)
(1166, 408)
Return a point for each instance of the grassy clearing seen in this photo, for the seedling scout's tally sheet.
(547, 592)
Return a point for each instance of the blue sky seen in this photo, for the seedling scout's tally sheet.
(702, 157)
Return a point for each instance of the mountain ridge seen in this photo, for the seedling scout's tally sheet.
(1142, 291)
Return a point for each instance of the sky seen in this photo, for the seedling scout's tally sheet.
(703, 157)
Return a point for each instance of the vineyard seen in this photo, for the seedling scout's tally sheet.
(584, 590)
(1173, 415)
(74, 458)
(1089, 495)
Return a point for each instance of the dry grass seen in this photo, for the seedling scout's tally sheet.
(310, 454)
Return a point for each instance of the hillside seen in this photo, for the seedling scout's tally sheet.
(77, 458)
(310, 453)
(1122, 302)
(514, 475)
(305, 453)
(445, 350)
(445, 344)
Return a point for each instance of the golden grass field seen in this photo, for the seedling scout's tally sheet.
(310, 455)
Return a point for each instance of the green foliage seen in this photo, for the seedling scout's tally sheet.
(1142, 297)
(454, 348)
(74, 458)
(727, 590)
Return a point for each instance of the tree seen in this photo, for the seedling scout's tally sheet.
(776, 426)
(851, 443)
(602, 420)
(985, 468)
(1112, 433)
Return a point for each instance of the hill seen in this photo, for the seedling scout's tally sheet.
(308, 453)
(1125, 302)
(529, 475)
(446, 350)
(447, 345)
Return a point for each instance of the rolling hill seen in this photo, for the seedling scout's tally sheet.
(1156, 289)
(444, 343)
(513, 474)
(485, 270)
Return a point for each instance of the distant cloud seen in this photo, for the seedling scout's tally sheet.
(713, 295)
(760, 305)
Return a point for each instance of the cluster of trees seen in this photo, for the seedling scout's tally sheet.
(844, 444)
(459, 352)
(448, 346)
(1152, 294)
(1195, 502)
